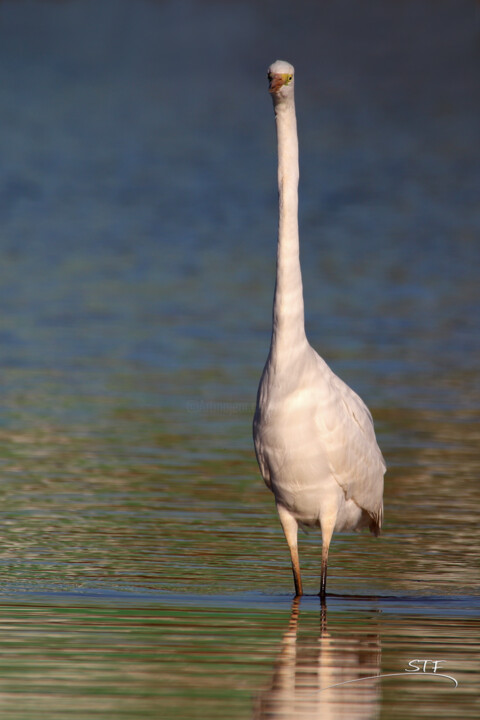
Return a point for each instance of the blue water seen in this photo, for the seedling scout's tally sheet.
(137, 247)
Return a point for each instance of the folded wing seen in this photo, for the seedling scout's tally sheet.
(346, 431)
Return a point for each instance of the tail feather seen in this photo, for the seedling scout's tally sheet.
(376, 521)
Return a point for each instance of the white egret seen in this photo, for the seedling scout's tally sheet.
(314, 437)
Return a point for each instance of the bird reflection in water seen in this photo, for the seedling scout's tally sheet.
(312, 677)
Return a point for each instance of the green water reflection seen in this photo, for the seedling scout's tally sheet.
(173, 660)
(144, 573)
(167, 501)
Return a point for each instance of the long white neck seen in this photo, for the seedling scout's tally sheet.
(288, 332)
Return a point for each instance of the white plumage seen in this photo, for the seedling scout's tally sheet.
(313, 435)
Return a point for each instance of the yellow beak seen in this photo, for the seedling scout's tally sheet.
(277, 80)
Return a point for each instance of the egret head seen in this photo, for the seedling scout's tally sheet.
(281, 78)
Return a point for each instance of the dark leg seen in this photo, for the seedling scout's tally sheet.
(297, 579)
(323, 574)
(327, 532)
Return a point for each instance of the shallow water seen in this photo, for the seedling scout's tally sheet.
(144, 572)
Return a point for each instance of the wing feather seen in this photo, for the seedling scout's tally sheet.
(348, 435)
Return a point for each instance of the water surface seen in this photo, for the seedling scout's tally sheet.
(144, 571)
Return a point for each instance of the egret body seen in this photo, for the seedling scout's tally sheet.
(314, 437)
